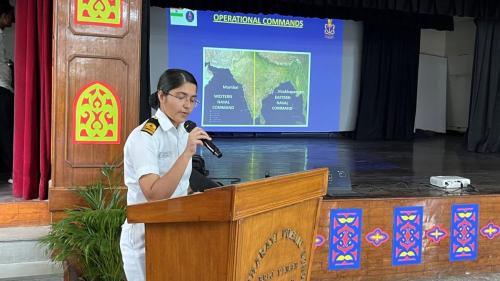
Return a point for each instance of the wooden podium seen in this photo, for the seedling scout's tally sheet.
(259, 230)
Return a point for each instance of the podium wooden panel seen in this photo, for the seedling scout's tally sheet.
(259, 230)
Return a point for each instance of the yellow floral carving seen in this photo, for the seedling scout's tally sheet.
(100, 12)
(97, 115)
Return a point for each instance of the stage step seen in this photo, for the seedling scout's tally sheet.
(52, 277)
(22, 258)
(468, 277)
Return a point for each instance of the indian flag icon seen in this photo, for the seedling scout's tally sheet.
(183, 17)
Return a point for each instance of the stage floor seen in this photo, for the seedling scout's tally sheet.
(378, 168)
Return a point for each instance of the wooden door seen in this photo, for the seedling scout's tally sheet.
(95, 97)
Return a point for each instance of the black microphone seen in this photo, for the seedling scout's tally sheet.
(190, 125)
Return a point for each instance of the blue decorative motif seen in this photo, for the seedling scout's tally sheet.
(464, 232)
(345, 239)
(407, 235)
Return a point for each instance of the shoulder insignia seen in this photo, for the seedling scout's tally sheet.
(151, 126)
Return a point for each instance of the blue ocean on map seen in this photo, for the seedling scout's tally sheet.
(224, 102)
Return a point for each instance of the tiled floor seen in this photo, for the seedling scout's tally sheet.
(6, 192)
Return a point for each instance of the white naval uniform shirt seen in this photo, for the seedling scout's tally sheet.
(149, 154)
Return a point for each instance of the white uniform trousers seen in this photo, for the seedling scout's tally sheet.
(133, 252)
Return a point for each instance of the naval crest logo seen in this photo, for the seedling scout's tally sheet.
(329, 29)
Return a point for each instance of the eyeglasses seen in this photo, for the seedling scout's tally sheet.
(184, 97)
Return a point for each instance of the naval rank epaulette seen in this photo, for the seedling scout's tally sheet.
(151, 126)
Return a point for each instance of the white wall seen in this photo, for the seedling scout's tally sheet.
(351, 73)
(157, 45)
(433, 42)
(457, 47)
(430, 113)
(9, 37)
(9, 41)
(460, 53)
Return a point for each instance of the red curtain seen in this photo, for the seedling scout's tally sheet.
(32, 98)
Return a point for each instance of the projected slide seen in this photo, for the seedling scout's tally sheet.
(259, 73)
(255, 88)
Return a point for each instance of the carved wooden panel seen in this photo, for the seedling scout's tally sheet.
(81, 72)
(107, 18)
(86, 50)
(97, 114)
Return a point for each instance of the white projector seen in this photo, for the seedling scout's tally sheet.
(449, 181)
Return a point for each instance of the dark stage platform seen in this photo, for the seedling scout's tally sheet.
(378, 169)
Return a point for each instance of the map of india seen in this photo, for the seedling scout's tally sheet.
(255, 87)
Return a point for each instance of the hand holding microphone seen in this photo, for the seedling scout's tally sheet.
(190, 125)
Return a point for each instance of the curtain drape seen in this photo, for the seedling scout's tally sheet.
(32, 99)
(352, 8)
(145, 109)
(484, 112)
(389, 75)
(431, 13)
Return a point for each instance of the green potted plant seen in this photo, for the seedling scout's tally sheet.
(88, 238)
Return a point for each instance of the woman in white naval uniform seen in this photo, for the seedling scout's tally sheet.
(157, 159)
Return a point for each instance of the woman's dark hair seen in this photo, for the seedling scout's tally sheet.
(170, 79)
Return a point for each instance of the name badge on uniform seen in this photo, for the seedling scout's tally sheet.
(164, 154)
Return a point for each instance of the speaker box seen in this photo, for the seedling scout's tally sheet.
(339, 181)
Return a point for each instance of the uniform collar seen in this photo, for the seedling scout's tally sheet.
(165, 122)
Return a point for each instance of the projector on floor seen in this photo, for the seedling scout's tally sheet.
(449, 181)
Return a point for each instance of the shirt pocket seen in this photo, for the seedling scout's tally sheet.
(165, 161)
